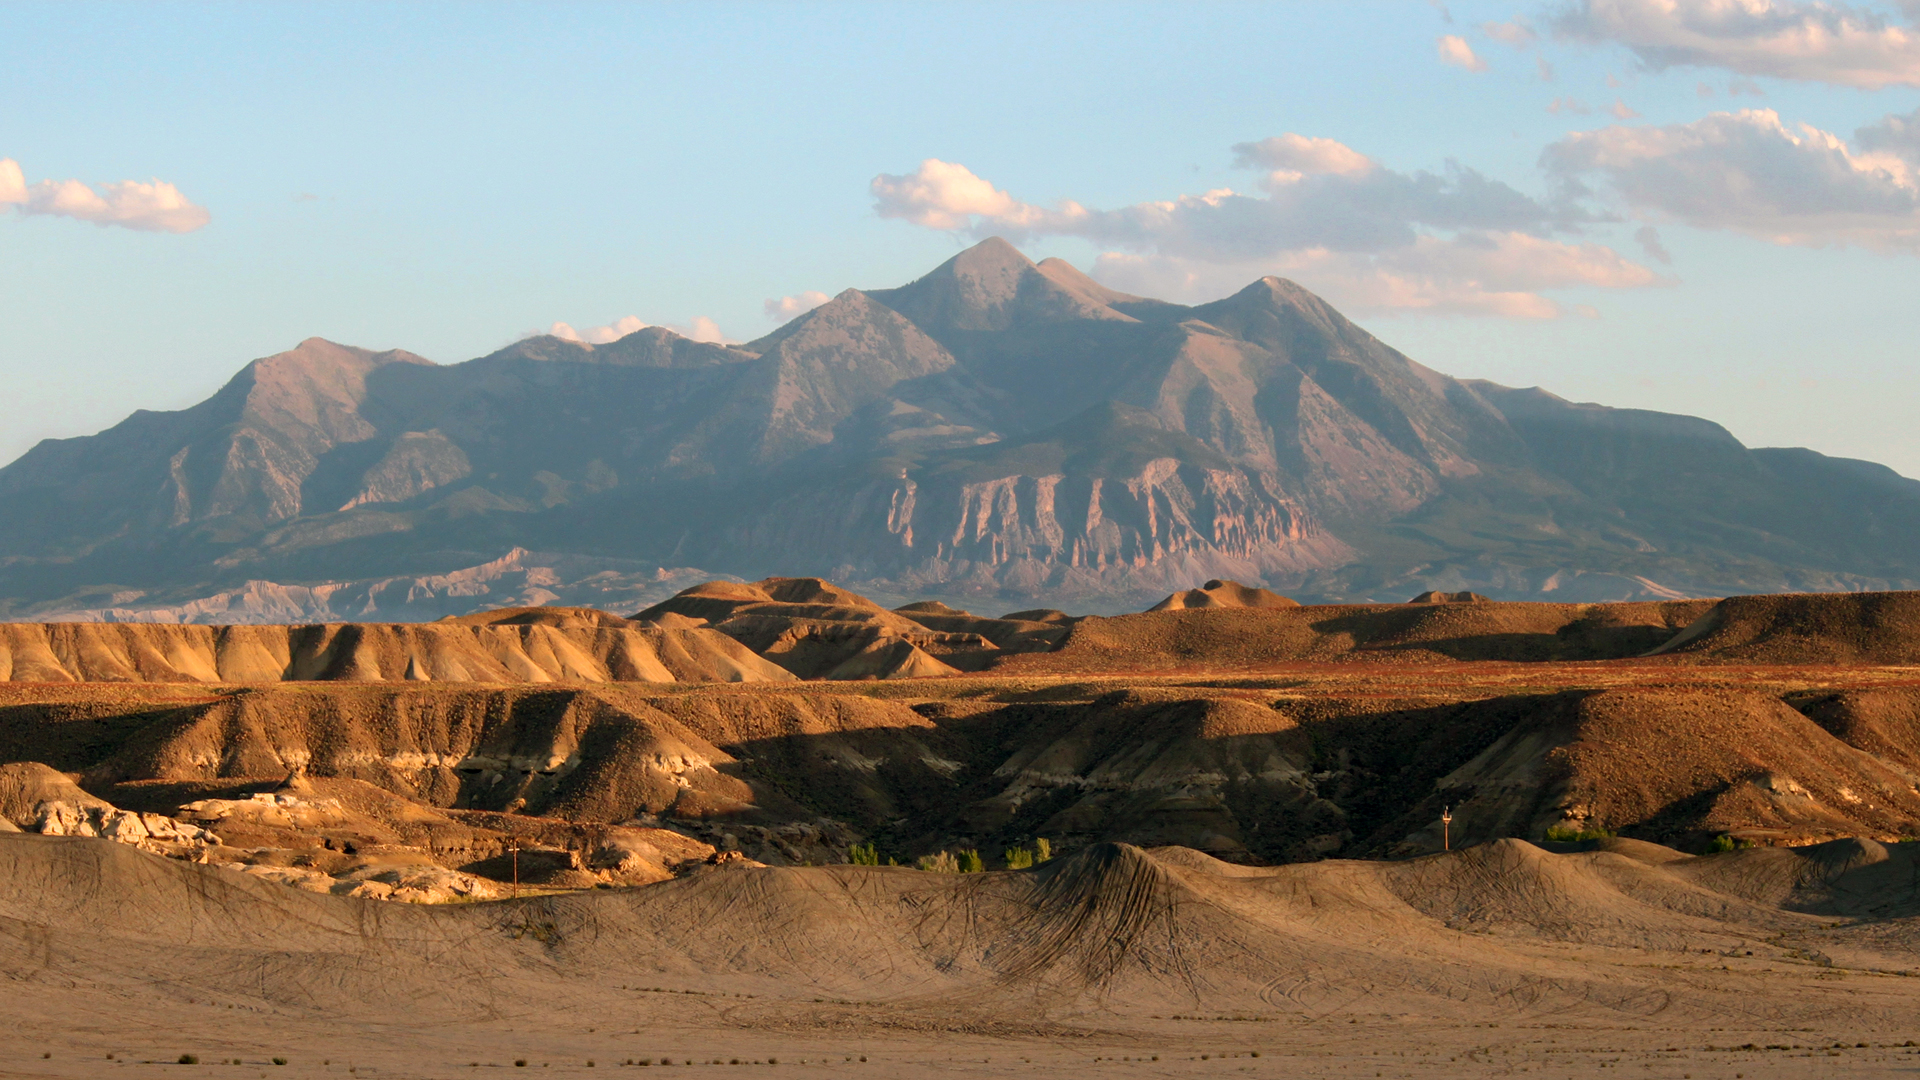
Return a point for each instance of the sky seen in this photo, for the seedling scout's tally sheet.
(1709, 207)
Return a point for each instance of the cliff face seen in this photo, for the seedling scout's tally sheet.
(997, 429)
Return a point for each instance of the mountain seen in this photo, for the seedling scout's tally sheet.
(997, 428)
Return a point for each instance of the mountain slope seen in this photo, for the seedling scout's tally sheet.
(995, 428)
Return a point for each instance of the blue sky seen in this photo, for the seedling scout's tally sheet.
(446, 178)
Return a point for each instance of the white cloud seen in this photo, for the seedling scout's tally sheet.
(1817, 42)
(1374, 238)
(700, 329)
(1488, 274)
(1302, 155)
(943, 195)
(1620, 111)
(792, 307)
(1455, 50)
(1568, 104)
(130, 204)
(1518, 33)
(13, 183)
(1748, 172)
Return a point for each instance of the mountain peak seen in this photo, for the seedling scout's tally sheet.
(994, 254)
(992, 286)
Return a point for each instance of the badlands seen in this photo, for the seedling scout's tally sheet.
(1230, 836)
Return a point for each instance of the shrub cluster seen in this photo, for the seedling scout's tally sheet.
(1566, 834)
(948, 862)
(968, 861)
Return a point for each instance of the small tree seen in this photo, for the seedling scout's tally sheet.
(940, 862)
(971, 863)
(864, 855)
(1042, 850)
(1019, 858)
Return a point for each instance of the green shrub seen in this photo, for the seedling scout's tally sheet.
(1568, 834)
(971, 862)
(279, 1061)
(940, 862)
(1727, 842)
(188, 1059)
(864, 855)
(1019, 858)
(1042, 850)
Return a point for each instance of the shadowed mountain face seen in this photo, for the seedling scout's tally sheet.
(997, 428)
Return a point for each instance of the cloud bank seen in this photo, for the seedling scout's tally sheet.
(155, 206)
(1834, 43)
(1749, 172)
(1370, 237)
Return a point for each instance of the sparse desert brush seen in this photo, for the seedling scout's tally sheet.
(1019, 858)
(1042, 849)
(971, 862)
(1727, 842)
(188, 1059)
(940, 862)
(1568, 834)
(863, 855)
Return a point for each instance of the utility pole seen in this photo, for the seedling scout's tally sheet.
(1446, 828)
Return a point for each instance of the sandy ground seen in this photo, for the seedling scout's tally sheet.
(1503, 960)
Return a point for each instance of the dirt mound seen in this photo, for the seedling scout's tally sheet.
(1110, 927)
(1039, 615)
(816, 630)
(812, 590)
(1884, 722)
(1805, 628)
(1230, 638)
(568, 618)
(1223, 594)
(1684, 764)
(1511, 887)
(534, 646)
(931, 607)
(1449, 598)
(26, 786)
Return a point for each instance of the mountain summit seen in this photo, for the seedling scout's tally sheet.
(996, 428)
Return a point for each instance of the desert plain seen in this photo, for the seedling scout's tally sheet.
(1677, 840)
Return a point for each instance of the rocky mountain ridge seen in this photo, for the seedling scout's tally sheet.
(997, 429)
